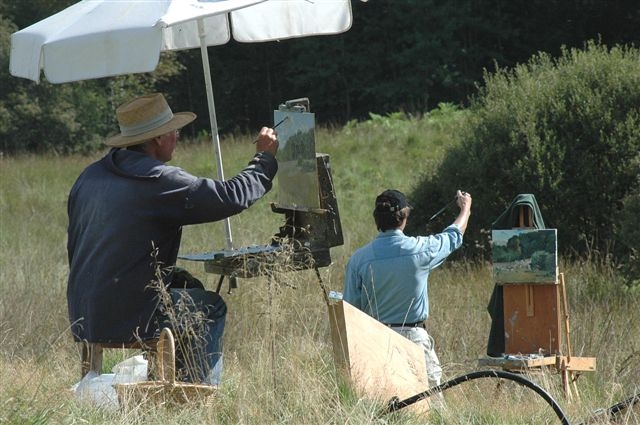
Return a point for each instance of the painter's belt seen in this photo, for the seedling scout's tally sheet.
(422, 324)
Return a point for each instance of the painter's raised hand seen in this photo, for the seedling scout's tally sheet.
(267, 141)
(463, 200)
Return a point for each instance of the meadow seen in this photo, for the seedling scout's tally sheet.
(279, 367)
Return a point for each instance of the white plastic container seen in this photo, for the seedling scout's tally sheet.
(98, 389)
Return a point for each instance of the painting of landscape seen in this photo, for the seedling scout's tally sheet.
(297, 173)
(525, 256)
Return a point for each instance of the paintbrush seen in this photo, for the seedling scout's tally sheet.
(276, 126)
(441, 210)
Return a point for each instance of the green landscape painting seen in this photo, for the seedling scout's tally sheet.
(525, 256)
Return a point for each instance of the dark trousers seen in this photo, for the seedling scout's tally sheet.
(197, 319)
(199, 329)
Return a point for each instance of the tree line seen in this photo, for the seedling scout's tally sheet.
(399, 55)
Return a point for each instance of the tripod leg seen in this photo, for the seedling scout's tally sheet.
(219, 284)
(325, 293)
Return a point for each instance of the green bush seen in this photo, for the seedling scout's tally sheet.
(628, 231)
(503, 254)
(541, 260)
(566, 130)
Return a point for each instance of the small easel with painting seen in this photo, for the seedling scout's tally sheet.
(536, 318)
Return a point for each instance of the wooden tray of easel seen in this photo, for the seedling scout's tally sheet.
(166, 390)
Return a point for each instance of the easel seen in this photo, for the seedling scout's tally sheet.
(533, 337)
(311, 218)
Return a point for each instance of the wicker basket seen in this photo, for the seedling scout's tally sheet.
(165, 391)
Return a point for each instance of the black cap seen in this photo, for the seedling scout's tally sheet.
(391, 200)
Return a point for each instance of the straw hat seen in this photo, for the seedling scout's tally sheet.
(146, 117)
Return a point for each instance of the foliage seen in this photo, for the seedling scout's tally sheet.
(542, 260)
(505, 254)
(566, 130)
(408, 55)
(66, 118)
(627, 231)
(531, 242)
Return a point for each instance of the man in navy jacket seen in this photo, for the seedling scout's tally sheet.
(126, 213)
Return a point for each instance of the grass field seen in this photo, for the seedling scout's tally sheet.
(278, 360)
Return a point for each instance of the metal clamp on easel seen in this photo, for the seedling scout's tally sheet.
(296, 105)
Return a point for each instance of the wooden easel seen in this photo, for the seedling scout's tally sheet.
(533, 329)
(531, 311)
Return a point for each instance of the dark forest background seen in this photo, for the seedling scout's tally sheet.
(399, 55)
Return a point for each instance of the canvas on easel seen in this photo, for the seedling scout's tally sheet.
(528, 256)
(526, 265)
(297, 171)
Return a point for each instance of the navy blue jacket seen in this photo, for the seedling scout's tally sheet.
(126, 213)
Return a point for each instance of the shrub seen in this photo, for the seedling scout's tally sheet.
(503, 254)
(564, 129)
(541, 260)
(628, 232)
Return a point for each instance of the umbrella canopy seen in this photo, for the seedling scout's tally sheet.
(102, 38)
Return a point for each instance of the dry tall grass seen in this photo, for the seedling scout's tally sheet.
(278, 358)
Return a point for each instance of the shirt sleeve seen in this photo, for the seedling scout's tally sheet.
(441, 245)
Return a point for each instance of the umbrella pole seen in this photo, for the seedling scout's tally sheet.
(212, 118)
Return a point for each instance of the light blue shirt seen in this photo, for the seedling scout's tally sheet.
(387, 278)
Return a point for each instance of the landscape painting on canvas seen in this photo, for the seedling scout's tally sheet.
(297, 170)
(525, 255)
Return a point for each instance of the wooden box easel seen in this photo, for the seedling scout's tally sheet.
(531, 311)
(532, 319)
(533, 328)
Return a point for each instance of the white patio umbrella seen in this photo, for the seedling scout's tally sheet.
(102, 38)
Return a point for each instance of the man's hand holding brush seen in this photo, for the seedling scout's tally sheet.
(267, 140)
